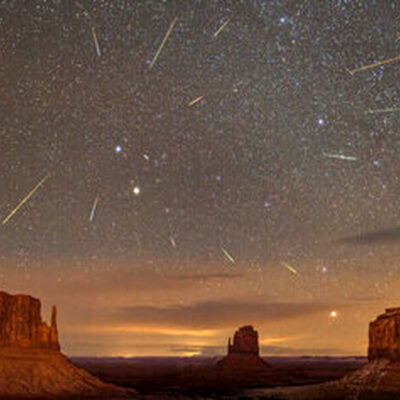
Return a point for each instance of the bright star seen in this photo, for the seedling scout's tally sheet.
(333, 314)
(321, 121)
(118, 149)
(136, 190)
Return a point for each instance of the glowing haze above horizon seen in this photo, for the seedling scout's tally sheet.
(189, 167)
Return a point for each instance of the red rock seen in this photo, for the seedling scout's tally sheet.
(21, 324)
(384, 336)
(243, 354)
(245, 341)
(31, 364)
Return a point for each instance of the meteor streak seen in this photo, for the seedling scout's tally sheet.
(382, 110)
(377, 64)
(96, 42)
(222, 27)
(22, 202)
(91, 216)
(227, 255)
(290, 268)
(171, 27)
(340, 157)
(196, 100)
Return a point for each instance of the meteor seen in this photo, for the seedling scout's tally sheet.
(290, 268)
(222, 27)
(22, 202)
(340, 157)
(196, 100)
(390, 60)
(91, 216)
(382, 110)
(227, 255)
(171, 27)
(96, 42)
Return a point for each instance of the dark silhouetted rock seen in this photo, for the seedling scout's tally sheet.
(243, 353)
(384, 336)
(245, 341)
(31, 364)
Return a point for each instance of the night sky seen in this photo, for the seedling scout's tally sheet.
(247, 174)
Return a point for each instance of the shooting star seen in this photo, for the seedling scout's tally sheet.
(377, 64)
(340, 157)
(227, 255)
(22, 202)
(171, 239)
(91, 216)
(171, 27)
(382, 110)
(222, 27)
(290, 268)
(96, 42)
(196, 100)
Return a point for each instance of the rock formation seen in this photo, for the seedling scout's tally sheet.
(243, 353)
(31, 364)
(245, 341)
(21, 324)
(384, 336)
(381, 376)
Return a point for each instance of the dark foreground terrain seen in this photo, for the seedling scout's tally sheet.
(199, 377)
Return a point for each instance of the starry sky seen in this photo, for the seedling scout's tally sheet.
(172, 170)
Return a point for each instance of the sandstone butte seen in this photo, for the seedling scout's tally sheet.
(243, 353)
(31, 363)
(384, 336)
(381, 375)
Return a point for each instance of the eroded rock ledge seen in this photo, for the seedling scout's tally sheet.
(384, 336)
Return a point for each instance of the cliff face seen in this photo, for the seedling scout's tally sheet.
(384, 336)
(21, 323)
(31, 364)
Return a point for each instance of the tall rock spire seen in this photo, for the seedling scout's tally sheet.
(53, 336)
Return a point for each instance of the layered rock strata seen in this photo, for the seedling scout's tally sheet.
(31, 364)
(384, 336)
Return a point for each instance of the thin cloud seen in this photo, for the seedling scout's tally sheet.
(215, 314)
(206, 277)
(212, 351)
(373, 237)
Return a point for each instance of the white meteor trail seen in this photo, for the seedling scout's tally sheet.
(96, 42)
(91, 216)
(227, 255)
(340, 157)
